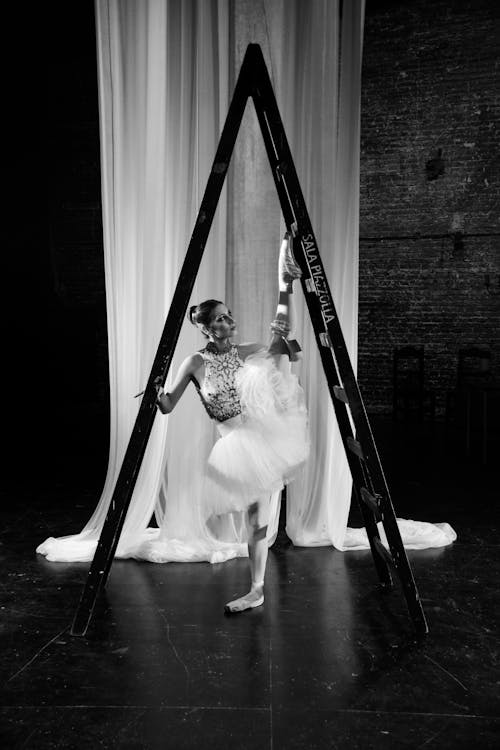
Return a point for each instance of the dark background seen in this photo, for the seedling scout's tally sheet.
(54, 319)
(430, 82)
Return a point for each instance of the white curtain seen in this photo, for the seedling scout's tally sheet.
(166, 68)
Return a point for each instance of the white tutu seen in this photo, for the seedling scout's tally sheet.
(263, 447)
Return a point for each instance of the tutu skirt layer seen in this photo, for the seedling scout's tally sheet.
(262, 448)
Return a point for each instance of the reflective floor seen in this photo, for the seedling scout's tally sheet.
(328, 662)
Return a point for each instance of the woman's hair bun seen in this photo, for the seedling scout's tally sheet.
(192, 314)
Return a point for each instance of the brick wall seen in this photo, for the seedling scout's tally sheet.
(430, 83)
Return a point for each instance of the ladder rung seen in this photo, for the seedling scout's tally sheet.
(325, 339)
(340, 394)
(310, 285)
(355, 447)
(372, 501)
(383, 551)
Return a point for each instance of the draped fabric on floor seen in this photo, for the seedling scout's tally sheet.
(166, 70)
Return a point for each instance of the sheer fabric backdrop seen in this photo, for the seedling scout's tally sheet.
(166, 70)
(163, 95)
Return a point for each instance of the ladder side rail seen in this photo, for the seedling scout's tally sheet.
(279, 152)
(278, 169)
(134, 454)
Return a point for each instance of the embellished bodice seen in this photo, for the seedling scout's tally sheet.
(218, 390)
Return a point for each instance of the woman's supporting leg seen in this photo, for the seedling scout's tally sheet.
(257, 516)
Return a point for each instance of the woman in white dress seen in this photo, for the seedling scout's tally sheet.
(260, 413)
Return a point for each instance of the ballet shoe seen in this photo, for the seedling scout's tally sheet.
(244, 603)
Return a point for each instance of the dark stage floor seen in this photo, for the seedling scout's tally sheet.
(328, 662)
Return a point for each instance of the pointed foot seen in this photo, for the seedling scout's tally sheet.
(288, 267)
(254, 598)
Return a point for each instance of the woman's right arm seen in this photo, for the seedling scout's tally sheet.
(167, 401)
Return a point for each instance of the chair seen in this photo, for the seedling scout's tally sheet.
(409, 393)
(474, 365)
(473, 368)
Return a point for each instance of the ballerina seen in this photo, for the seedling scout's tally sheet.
(259, 409)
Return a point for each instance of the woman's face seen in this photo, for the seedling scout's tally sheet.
(222, 325)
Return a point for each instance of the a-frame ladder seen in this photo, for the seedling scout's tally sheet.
(368, 478)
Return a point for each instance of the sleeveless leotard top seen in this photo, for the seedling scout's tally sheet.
(218, 390)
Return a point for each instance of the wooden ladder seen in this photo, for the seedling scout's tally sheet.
(369, 482)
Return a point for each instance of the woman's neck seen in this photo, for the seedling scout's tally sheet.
(222, 345)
